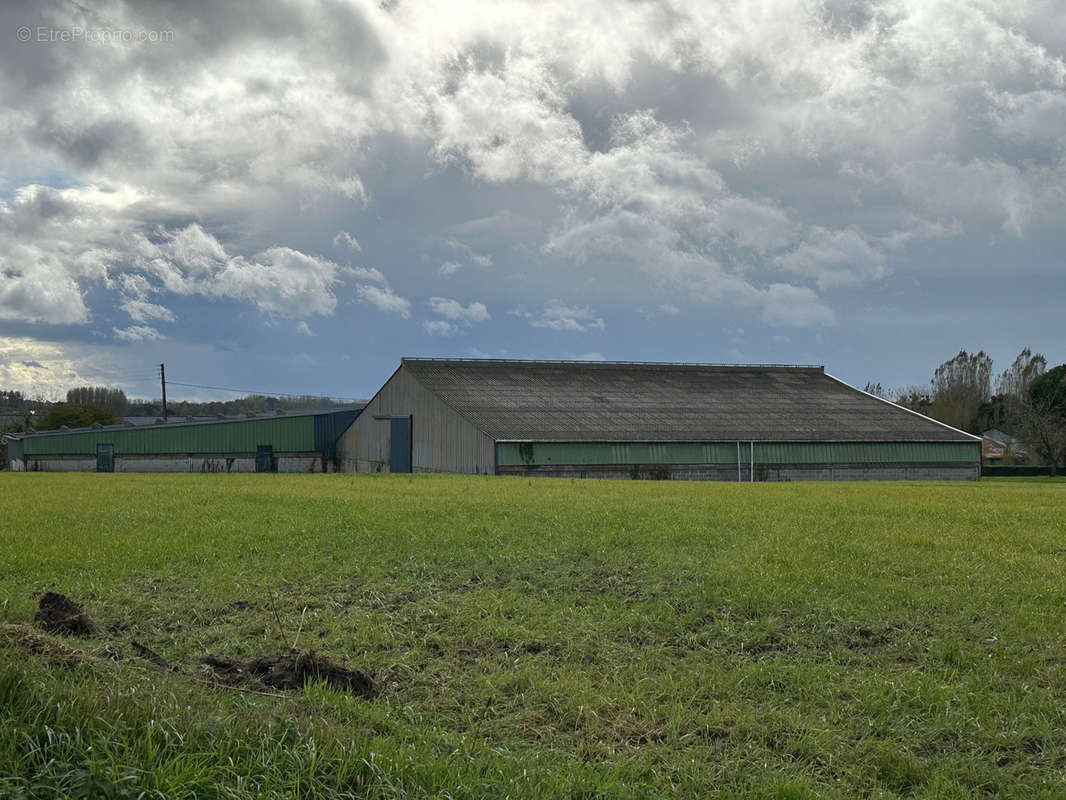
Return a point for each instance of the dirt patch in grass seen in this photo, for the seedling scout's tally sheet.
(289, 671)
(30, 640)
(57, 613)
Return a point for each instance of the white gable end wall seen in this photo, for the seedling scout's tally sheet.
(443, 441)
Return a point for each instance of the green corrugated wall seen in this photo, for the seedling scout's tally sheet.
(510, 454)
(286, 434)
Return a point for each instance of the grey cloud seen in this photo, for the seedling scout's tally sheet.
(835, 258)
(708, 151)
(87, 144)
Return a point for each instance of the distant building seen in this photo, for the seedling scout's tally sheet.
(641, 420)
(281, 441)
(998, 447)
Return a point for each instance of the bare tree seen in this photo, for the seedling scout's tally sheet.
(1043, 417)
(1043, 429)
(960, 386)
(915, 397)
(1013, 384)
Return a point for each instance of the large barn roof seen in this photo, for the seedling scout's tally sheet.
(627, 401)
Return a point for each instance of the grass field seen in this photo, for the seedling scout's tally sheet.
(539, 638)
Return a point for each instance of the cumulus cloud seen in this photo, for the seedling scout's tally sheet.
(365, 274)
(345, 239)
(454, 310)
(143, 311)
(138, 333)
(384, 299)
(559, 317)
(279, 280)
(440, 327)
(54, 242)
(42, 369)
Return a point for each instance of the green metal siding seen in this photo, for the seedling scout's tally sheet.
(291, 434)
(511, 454)
(864, 452)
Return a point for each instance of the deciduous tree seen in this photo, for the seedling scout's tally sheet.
(1043, 418)
(960, 386)
(76, 416)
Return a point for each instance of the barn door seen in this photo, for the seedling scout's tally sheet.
(400, 444)
(264, 458)
(105, 458)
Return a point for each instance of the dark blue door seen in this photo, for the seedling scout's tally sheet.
(264, 458)
(400, 444)
(105, 458)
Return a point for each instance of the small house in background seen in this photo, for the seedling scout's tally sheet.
(998, 447)
(646, 421)
(282, 441)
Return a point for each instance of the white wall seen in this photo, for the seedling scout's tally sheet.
(444, 440)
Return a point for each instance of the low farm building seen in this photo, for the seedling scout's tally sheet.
(646, 420)
(276, 442)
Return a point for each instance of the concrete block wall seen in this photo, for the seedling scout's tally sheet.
(60, 464)
(286, 462)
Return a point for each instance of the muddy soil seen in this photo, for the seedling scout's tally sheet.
(57, 613)
(290, 671)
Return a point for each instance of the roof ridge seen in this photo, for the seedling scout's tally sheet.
(578, 362)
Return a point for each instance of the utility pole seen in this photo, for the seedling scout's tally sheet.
(163, 382)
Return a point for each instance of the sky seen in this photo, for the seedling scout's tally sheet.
(291, 196)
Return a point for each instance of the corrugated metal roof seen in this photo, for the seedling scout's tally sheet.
(629, 401)
(182, 421)
(294, 434)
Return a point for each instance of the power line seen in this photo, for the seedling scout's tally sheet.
(260, 391)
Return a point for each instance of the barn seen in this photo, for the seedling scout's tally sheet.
(280, 441)
(646, 421)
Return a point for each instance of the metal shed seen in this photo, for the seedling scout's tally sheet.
(278, 442)
(646, 420)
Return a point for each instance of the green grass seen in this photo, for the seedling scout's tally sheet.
(542, 638)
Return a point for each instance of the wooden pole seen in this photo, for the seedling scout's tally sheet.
(163, 382)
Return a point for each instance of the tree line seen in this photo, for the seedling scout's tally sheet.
(88, 405)
(1026, 401)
